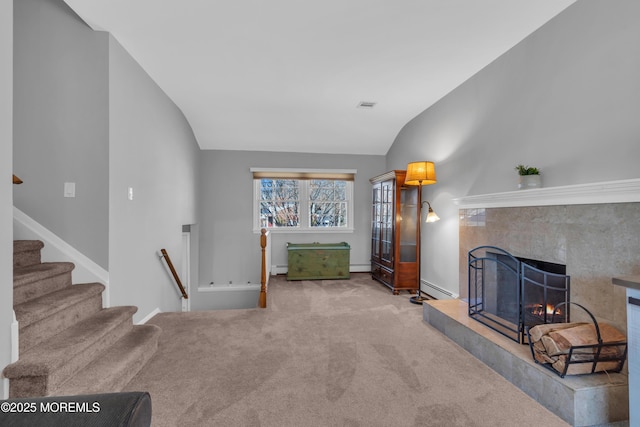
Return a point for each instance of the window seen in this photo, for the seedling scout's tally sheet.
(279, 202)
(327, 203)
(303, 201)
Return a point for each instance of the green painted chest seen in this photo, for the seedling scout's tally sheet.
(312, 261)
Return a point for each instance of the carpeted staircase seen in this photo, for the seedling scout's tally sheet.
(69, 344)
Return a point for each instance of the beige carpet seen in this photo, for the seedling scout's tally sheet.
(325, 353)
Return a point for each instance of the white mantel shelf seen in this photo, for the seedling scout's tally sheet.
(631, 282)
(624, 191)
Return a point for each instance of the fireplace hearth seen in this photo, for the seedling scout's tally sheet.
(510, 294)
(597, 239)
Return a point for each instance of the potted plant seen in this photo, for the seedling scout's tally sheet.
(529, 177)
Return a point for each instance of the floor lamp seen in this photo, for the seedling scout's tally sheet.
(421, 173)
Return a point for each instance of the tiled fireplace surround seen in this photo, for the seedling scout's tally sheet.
(595, 242)
(594, 230)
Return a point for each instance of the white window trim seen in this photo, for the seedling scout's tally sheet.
(304, 204)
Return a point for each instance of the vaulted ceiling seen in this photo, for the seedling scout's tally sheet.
(290, 75)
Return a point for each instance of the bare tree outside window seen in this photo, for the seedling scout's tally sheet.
(279, 203)
(327, 203)
(321, 204)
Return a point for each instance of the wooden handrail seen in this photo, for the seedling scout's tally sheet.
(262, 302)
(16, 180)
(173, 272)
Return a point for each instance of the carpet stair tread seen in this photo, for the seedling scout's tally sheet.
(52, 313)
(37, 272)
(117, 365)
(47, 305)
(60, 351)
(33, 281)
(26, 252)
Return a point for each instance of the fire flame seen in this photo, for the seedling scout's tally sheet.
(539, 310)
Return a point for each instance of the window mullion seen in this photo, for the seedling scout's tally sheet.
(304, 204)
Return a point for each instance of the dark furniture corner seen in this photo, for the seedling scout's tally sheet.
(130, 409)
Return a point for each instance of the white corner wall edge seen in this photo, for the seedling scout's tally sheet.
(15, 338)
(86, 270)
(623, 191)
(15, 350)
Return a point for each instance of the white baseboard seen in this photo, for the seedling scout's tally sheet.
(149, 316)
(360, 268)
(279, 269)
(353, 268)
(436, 291)
(15, 339)
(85, 271)
(15, 353)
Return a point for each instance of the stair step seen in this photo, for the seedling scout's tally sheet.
(117, 366)
(50, 314)
(69, 344)
(44, 367)
(26, 252)
(33, 281)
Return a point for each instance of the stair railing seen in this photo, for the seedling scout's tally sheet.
(166, 257)
(265, 269)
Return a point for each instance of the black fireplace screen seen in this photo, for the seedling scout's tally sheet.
(510, 294)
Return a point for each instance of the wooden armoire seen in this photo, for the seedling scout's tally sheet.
(394, 232)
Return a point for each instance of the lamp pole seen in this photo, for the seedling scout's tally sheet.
(418, 299)
(419, 173)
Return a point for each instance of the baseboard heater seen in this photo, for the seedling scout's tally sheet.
(437, 290)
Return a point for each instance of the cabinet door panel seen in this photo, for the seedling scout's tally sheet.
(387, 222)
(375, 223)
(408, 226)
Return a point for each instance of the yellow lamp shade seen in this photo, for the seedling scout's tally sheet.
(420, 173)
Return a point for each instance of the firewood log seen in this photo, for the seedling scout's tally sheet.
(585, 335)
(551, 347)
(539, 330)
(540, 353)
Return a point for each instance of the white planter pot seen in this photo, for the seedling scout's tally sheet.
(529, 181)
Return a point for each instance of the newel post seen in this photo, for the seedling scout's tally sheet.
(263, 277)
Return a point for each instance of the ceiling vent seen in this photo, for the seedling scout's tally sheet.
(366, 104)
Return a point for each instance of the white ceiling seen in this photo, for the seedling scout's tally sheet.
(288, 75)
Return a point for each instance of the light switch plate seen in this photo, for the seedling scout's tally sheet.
(69, 189)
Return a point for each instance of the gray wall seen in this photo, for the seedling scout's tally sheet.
(153, 150)
(565, 100)
(229, 250)
(61, 123)
(86, 112)
(6, 213)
